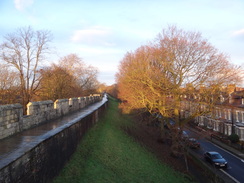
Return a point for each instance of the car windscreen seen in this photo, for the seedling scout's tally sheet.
(216, 156)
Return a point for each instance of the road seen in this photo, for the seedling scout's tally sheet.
(235, 168)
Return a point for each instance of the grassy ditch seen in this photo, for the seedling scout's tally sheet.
(108, 154)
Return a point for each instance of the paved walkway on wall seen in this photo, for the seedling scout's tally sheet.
(15, 146)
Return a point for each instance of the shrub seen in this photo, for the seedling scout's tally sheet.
(234, 138)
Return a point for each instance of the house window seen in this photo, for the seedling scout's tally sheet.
(242, 117)
(219, 113)
(222, 99)
(230, 130)
(225, 111)
(216, 112)
(237, 116)
(241, 133)
(229, 114)
(238, 132)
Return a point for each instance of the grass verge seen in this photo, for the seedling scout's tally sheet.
(108, 154)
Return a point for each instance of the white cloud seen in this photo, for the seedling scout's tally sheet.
(22, 4)
(93, 36)
(238, 32)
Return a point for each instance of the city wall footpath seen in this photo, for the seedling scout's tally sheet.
(13, 121)
(39, 153)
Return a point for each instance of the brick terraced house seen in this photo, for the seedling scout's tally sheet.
(226, 117)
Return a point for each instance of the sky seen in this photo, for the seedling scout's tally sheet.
(101, 32)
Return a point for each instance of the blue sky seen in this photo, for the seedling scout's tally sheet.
(102, 31)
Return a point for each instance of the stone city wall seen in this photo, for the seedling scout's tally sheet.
(42, 162)
(13, 121)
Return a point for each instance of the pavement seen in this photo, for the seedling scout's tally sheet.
(234, 151)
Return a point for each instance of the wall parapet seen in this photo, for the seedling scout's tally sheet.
(13, 121)
(11, 117)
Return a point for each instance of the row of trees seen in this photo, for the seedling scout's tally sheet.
(24, 77)
(155, 77)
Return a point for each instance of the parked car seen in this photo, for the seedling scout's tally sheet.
(215, 159)
(193, 143)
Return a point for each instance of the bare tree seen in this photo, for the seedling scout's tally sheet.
(9, 78)
(24, 50)
(9, 85)
(86, 75)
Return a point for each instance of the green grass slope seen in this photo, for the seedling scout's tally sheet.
(108, 154)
